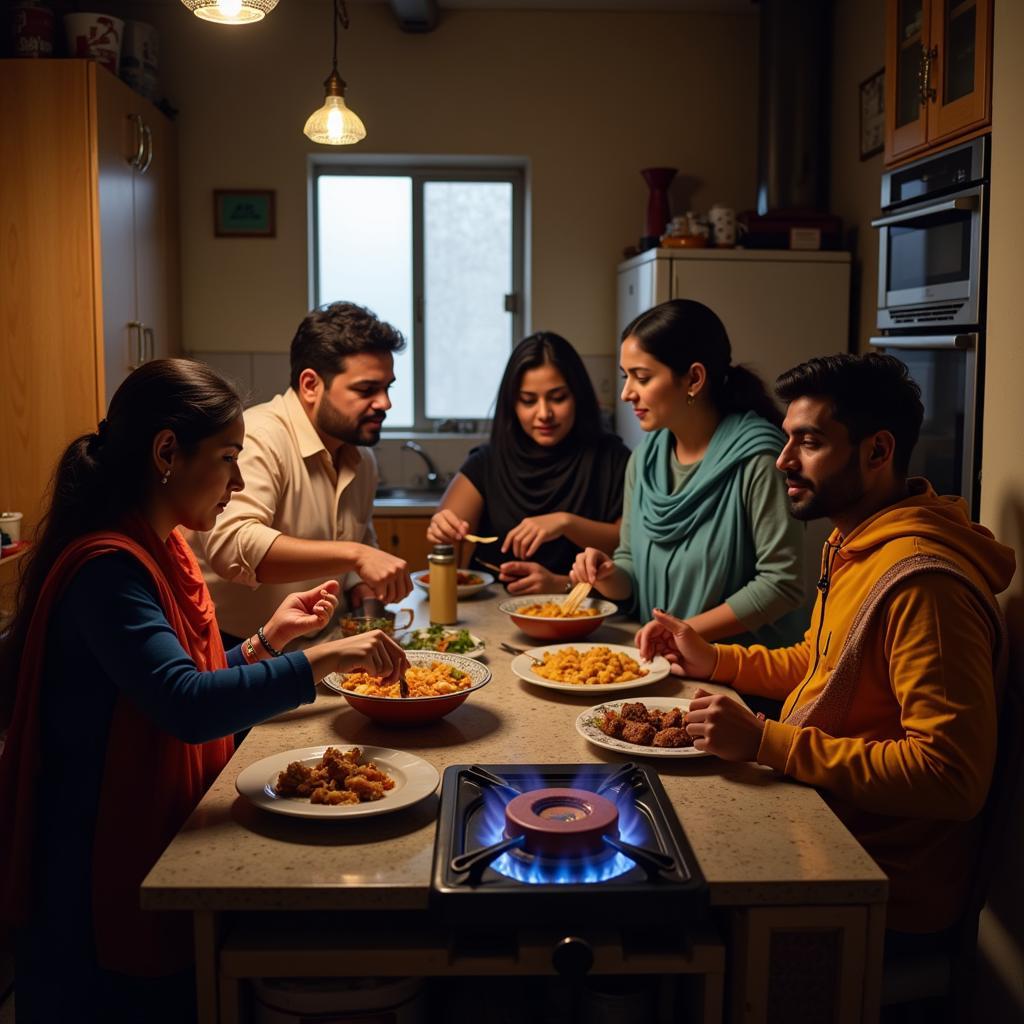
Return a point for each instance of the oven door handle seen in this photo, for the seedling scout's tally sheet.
(963, 203)
(959, 341)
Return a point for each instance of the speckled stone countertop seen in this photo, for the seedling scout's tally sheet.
(760, 839)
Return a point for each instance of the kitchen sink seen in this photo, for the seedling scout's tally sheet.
(417, 495)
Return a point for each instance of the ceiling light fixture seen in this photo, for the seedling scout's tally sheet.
(231, 12)
(334, 124)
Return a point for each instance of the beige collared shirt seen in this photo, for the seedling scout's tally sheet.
(291, 487)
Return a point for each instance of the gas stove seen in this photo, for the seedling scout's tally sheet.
(525, 844)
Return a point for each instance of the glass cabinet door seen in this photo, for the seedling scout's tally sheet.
(960, 19)
(909, 54)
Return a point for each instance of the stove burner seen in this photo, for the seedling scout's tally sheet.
(511, 836)
(561, 822)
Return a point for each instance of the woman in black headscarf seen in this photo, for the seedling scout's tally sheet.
(549, 483)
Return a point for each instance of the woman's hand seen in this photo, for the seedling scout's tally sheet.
(677, 641)
(591, 566)
(446, 527)
(307, 612)
(530, 578)
(374, 652)
(724, 727)
(525, 538)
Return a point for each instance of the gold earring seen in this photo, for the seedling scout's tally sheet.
(690, 398)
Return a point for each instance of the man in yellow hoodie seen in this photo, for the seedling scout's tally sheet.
(890, 699)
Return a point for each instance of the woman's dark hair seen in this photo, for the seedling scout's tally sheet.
(328, 334)
(682, 332)
(104, 476)
(868, 393)
(540, 349)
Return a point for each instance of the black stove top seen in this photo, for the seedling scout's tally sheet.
(529, 844)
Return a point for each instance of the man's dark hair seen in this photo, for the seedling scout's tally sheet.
(328, 334)
(868, 393)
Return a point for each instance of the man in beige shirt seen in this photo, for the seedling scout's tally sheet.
(306, 511)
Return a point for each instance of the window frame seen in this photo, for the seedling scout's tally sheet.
(421, 170)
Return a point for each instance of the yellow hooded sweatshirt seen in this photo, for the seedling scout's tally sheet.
(910, 769)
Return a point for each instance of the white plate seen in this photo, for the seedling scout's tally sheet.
(657, 669)
(478, 673)
(466, 591)
(414, 778)
(474, 652)
(592, 734)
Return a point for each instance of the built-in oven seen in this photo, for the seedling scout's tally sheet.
(931, 258)
(946, 369)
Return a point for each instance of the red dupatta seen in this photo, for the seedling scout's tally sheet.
(151, 782)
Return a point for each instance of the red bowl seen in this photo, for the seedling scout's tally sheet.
(415, 710)
(542, 628)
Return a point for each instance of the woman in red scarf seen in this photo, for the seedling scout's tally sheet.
(120, 701)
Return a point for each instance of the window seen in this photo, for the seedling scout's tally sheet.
(437, 251)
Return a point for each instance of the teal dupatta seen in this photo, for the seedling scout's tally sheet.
(694, 548)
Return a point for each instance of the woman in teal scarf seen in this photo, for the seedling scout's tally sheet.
(706, 531)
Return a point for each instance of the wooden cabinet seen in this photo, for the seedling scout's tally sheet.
(88, 245)
(938, 74)
(406, 537)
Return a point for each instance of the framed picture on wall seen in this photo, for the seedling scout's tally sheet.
(872, 115)
(243, 213)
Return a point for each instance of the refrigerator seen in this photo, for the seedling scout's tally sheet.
(780, 308)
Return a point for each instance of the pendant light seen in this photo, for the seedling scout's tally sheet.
(231, 12)
(334, 124)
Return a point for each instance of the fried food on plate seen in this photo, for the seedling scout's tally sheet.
(338, 778)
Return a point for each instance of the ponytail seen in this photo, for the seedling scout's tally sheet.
(682, 332)
(104, 476)
(742, 391)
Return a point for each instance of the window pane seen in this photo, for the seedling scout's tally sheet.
(364, 234)
(467, 243)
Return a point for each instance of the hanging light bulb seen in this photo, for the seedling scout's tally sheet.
(231, 12)
(334, 124)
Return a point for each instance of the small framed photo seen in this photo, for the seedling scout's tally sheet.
(872, 115)
(243, 213)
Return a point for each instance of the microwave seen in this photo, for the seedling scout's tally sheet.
(931, 240)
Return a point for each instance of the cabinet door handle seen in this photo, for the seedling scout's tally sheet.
(147, 133)
(925, 88)
(149, 337)
(135, 358)
(140, 141)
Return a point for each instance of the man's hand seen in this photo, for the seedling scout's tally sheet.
(446, 528)
(386, 575)
(530, 578)
(307, 612)
(591, 566)
(723, 727)
(677, 641)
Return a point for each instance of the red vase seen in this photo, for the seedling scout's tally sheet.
(658, 212)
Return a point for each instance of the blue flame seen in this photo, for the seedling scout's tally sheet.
(570, 871)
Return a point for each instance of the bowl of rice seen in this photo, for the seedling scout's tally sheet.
(540, 616)
(438, 683)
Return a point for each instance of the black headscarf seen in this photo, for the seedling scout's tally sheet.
(527, 479)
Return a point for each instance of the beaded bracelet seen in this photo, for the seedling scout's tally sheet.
(274, 652)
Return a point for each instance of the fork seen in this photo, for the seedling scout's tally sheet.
(508, 648)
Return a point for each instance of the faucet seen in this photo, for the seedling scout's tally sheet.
(433, 478)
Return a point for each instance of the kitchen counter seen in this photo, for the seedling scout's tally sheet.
(767, 846)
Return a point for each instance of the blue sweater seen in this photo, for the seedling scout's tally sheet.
(108, 636)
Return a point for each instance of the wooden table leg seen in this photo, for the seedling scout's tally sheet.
(206, 926)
